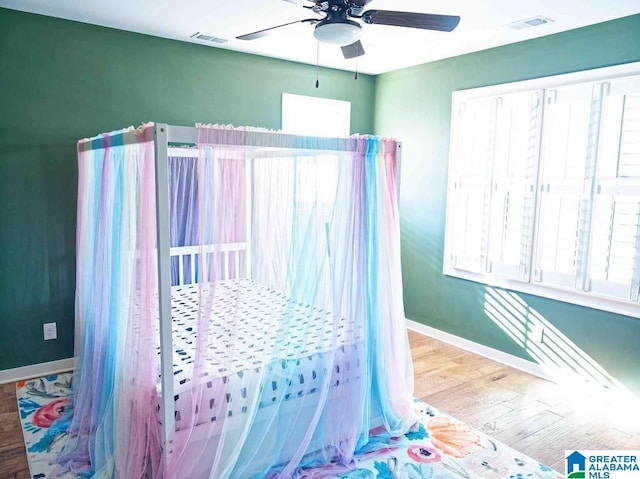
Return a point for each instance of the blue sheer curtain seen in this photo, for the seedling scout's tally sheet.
(285, 365)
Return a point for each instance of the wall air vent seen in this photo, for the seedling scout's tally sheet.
(208, 38)
(529, 22)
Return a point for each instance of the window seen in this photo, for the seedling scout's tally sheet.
(311, 116)
(544, 188)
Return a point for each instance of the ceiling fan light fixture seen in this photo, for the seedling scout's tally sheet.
(343, 32)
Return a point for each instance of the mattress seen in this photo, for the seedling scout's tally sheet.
(244, 354)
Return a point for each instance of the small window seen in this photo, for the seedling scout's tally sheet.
(544, 188)
(311, 116)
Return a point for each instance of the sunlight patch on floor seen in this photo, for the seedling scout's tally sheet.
(587, 383)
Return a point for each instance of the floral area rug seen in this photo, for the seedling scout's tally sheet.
(440, 448)
(40, 402)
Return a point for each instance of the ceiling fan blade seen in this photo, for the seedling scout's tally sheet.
(425, 21)
(358, 3)
(353, 51)
(302, 3)
(268, 31)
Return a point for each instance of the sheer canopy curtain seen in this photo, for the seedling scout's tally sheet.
(114, 430)
(283, 365)
(300, 386)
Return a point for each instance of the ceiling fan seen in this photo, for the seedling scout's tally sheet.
(336, 26)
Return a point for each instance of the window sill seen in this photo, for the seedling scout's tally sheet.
(589, 300)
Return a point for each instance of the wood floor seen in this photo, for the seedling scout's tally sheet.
(13, 461)
(534, 416)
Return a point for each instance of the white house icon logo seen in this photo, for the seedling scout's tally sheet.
(576, 465)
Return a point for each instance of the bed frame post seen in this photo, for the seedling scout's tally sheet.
(164, 283)
(398, 170)
(249, 218)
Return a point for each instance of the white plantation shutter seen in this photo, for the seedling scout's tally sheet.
(614, 261)
(515, 170)
(567, 162)
(544, 188)
(473, 146)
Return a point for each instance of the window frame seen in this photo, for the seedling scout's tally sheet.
(558, 293)
(341, 107)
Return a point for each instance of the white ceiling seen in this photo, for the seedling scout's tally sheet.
(387, 48)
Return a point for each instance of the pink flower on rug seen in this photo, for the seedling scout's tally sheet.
(377, 431)
(48, 413)
(453, 438)
(423, 454)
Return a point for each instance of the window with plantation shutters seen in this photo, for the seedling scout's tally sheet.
(614, 256)
(544, 188)
(474, 151)
(563, 205)
(514, 178)
(495, 170)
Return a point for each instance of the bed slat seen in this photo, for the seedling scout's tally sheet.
(219, 253)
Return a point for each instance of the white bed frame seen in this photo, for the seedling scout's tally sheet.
(227, 254)
(163, 135)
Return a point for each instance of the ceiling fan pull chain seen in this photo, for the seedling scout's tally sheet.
(318, 65)
(356, 75)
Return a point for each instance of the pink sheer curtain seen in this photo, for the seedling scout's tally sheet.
(114, 422)
(290, 344)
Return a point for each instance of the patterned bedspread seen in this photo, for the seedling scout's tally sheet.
(256, 334)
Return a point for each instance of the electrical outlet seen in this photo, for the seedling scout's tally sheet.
(50, 331)
(536, 333)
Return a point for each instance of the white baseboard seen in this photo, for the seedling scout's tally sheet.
(485, 351)
(36, 370)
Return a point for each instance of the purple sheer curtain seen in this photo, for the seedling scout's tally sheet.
(289, 346)
(114, 429)
(183, 198)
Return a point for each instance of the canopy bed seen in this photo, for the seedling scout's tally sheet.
(239, 303)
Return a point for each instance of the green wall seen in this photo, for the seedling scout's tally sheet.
(414, 104)
(61, 81)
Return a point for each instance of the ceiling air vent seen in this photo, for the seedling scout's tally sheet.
(208, 38)
(529, 22)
